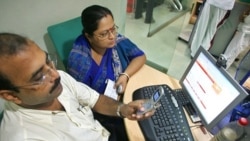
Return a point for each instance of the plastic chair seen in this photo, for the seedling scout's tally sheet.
(63, 35)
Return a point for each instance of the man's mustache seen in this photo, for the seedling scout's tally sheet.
(57, 82)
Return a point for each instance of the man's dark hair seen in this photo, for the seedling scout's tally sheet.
(10, 44)
(91, 16)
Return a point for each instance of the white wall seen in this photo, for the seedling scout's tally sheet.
(32, 17)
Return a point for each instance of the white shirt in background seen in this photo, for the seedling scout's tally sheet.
(223, 4)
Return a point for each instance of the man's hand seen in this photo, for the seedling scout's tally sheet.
(129, 110)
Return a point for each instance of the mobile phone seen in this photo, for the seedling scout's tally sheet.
(119, 89)
(153, 101)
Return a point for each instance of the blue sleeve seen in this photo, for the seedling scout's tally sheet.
(127, 50)
(79, 60)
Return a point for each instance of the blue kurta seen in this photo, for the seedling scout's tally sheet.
(115, 60)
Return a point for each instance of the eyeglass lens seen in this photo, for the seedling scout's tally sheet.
(107, 33)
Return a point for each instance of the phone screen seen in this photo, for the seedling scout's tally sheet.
(151, 103)
(156, 96)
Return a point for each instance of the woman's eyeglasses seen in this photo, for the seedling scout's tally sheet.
(105, 35)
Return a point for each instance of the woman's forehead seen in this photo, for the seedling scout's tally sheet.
(105, 23)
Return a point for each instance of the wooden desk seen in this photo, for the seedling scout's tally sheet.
(150, 76)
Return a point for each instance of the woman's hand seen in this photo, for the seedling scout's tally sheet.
(121, 82)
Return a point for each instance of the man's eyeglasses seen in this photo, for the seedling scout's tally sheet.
(105, 34)
(51, 60)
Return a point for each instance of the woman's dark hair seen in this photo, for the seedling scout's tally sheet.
(10, 44)
(91, 17)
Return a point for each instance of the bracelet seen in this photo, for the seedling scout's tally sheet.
(125, 75)
(118, 111)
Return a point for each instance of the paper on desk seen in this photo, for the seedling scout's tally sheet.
(110, 91)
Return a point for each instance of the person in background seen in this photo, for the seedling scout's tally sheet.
(45, 104)
(100, 56)
(211, 18)
(240, 42)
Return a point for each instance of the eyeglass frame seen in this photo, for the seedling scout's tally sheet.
(51, 60)
(106, 33)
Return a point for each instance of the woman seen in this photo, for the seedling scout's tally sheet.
(100, 54)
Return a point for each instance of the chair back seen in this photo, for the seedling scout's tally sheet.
(63, 35)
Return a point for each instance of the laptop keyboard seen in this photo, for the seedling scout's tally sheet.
(169, 122)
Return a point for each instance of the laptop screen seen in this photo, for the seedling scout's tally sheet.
(212, 91)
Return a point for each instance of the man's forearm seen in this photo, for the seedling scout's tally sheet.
(106, 106)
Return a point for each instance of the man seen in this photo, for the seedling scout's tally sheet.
(240, 41)
(212, 17)
(45, 104)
